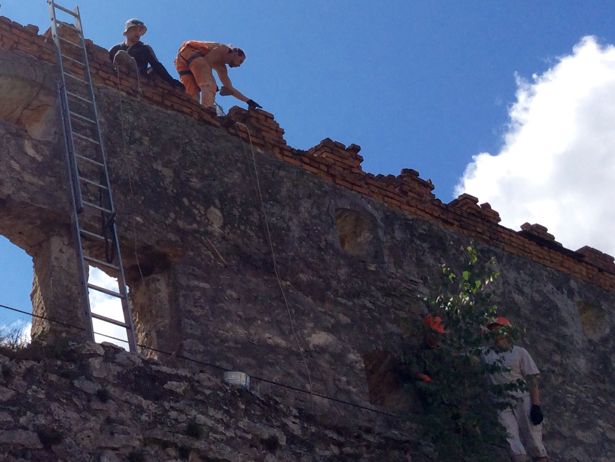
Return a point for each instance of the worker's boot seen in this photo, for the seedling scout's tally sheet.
(128, 65)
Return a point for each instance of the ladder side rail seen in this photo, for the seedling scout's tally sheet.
(73, 169)
(83, 280)
(66, 122)
(132, 342)
(76, 195)
(75, 189)
(81, 267)
(76, 186)
(94, 108)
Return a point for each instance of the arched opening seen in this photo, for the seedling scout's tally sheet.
(16, 276)
(594, 320)
(358, 233)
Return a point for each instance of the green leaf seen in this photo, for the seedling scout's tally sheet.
(460, 418)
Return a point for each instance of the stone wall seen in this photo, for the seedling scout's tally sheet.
(354, 252)
(330, 160)
(98, 403)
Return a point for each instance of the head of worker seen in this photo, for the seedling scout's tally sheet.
(134, 30)
(236, 56)
(501, 327)
(434, 323)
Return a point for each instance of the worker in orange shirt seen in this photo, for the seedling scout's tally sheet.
(195, 62)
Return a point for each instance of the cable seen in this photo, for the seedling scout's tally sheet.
(263, 212)
(128, 170)
(213, 366)
(276, 269)
(275, 265)
(42, 317)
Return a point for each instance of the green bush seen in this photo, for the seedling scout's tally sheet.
(460, 402)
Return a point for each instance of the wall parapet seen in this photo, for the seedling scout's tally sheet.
(337, 164)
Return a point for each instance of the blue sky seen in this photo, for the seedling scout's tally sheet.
(427, 85)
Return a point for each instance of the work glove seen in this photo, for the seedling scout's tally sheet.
(536, 414)
(253, 105)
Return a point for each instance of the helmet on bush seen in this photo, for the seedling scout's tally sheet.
(499, 321)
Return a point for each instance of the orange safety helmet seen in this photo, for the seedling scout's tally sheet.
(499, 321)
(434, 323)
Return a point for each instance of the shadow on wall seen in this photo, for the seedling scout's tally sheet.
(385, 379)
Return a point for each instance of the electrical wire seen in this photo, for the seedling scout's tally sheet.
(275, 266)
(203, 363)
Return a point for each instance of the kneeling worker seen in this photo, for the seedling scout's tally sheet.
(195, 62)
(142, 53)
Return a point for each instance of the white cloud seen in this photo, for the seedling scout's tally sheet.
(18, 331)
(108, 306)
(557, 163)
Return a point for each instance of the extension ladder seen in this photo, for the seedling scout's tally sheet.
(93, 213)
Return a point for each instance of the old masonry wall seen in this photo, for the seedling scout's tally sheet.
(354, 251)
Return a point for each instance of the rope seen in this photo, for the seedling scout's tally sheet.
(275, 267)
(107, 222)
(128, 170)
(268, 230)
(273, 258)
(213, 366)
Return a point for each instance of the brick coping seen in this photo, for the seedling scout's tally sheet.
(338, 164)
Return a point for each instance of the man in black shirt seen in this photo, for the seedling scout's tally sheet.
(142, 53)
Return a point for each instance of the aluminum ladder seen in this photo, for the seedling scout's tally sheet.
(93, 213)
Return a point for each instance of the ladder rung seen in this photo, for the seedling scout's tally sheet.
(61, 8)
(87, 159)
(111, 321)
(75, 78)
(93, 183)
(76, 96)
(100, 262)
(85, 138)
(113, 293)
(73, 60)
(62, 23)
(85, 232)
(69, 42)
(85, 119)
(97, 207)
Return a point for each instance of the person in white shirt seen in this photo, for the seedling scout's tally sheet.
(525, 418)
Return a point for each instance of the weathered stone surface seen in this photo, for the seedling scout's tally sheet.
(73, 421)
(55, 289)
(27, 97)
(204, 286)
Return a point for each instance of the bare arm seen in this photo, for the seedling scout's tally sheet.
(532, 384)
(226, 81)
(217, 59)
